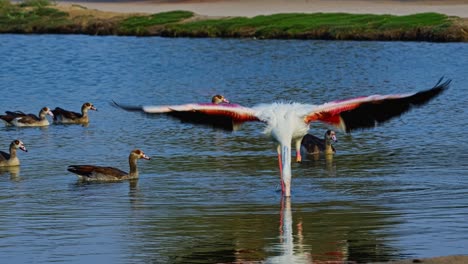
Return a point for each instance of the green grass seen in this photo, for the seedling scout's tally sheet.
(36, 3)
(142, 24)
(299, 24)
(31, 18)
(40, 16)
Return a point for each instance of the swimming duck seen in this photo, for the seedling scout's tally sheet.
(20, 119)
(218, 99)
(315, 145)
(99, 173)
(10, 159)
(62, 116)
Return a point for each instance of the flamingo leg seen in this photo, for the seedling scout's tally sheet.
(280, 164)
(298, 150)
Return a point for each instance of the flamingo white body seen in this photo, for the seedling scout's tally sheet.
(288, 123)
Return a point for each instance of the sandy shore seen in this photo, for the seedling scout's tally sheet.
(250, 8)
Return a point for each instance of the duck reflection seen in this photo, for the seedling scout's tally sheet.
(134, 195)
(13, 171)
(318, 161)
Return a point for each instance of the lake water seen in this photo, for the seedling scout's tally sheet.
(397, 191)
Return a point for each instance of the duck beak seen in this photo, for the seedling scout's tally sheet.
(225, 101)
(50, 113)
(333, 137)
(93, 108)
(145, 157)
(23, 148)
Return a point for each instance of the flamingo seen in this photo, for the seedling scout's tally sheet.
(288, 123)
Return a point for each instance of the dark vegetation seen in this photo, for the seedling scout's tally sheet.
(42, 16)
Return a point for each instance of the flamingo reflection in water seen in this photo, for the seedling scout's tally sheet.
(288, 123)
(294, 248)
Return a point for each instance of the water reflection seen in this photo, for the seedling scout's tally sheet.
(339, 231)
(303, 241)
(320, 161)
(13, 171)
(291, 251)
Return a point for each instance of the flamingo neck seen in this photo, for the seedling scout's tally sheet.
(286, 168)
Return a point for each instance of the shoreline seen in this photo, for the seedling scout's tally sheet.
(245, 8)
(179, 20)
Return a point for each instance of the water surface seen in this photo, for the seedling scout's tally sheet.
(397, 191)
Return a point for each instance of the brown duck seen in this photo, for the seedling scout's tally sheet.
(20, 119)
(99, 173)
(10, 159)
(218, 99)
(315, 145)
(62, 116)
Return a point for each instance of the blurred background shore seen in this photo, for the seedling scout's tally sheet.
(252, 8)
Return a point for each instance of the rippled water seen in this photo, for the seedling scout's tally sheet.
(397, 191)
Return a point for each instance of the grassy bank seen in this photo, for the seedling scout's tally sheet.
(40, 16)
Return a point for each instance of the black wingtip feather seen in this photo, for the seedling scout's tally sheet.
(71, 168)
(423, 97)
(371, 114)
(76, 170)
(127, 107)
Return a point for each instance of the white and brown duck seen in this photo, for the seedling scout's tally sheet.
(21, 119)
(108, 174)
(62, 116)
(314, 145)
(218, 99)
(10, 159)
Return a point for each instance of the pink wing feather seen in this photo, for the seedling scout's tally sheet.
(369, 111)
(224, 116)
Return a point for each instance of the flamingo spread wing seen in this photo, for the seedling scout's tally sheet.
(369, 111)
(223, 116)
(288, 122)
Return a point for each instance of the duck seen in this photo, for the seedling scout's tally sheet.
(20, 119)
(314, 145)
(92, 173)
(62, 116)
(10, 159)
(219, 99)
